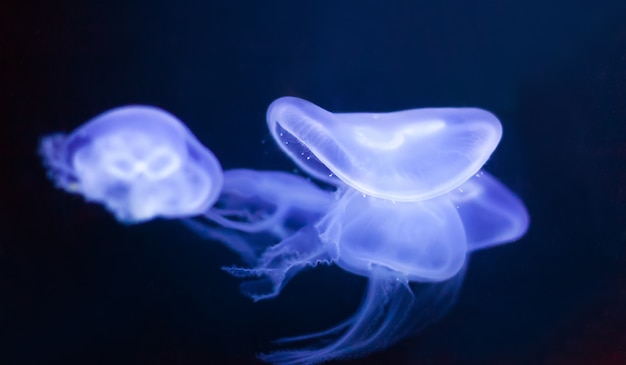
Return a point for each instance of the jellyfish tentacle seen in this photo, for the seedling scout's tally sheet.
(258, 209)
(328, 333)
(390, 310)
(281, 262)
(267, 223)
(55, 161)
(245, 249)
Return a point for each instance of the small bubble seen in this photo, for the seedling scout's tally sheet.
(286, 142)
(308, 157)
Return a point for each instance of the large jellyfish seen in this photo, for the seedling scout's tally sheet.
(139, 161)
(411, 202)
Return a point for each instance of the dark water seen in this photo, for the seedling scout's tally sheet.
(78, 288)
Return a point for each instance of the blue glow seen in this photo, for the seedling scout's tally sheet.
(411, 203)
(404, 156)
(140, 162)
(406, 201)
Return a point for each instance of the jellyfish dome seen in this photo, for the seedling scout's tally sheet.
(403, 156)
(140, 162)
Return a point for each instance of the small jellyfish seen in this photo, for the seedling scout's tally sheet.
(140, 162)
(411, 202)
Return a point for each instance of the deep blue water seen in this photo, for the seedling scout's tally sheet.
(78, 288)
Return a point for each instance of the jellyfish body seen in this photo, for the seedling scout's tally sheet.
(424, 240)
(411, 203)
(140, 162)
(404, 156)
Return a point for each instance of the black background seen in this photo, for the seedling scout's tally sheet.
(79, 288)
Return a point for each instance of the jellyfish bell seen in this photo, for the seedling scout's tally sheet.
(403, 156)
(491, 213)
(421, 241)
(140, 162)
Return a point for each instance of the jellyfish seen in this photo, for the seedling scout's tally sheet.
(411, 202)
(403, 156)
(140, 162)
(400, 198)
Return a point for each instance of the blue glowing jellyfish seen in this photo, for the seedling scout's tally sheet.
(138, 161)
(411, 202)
(403, 156)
